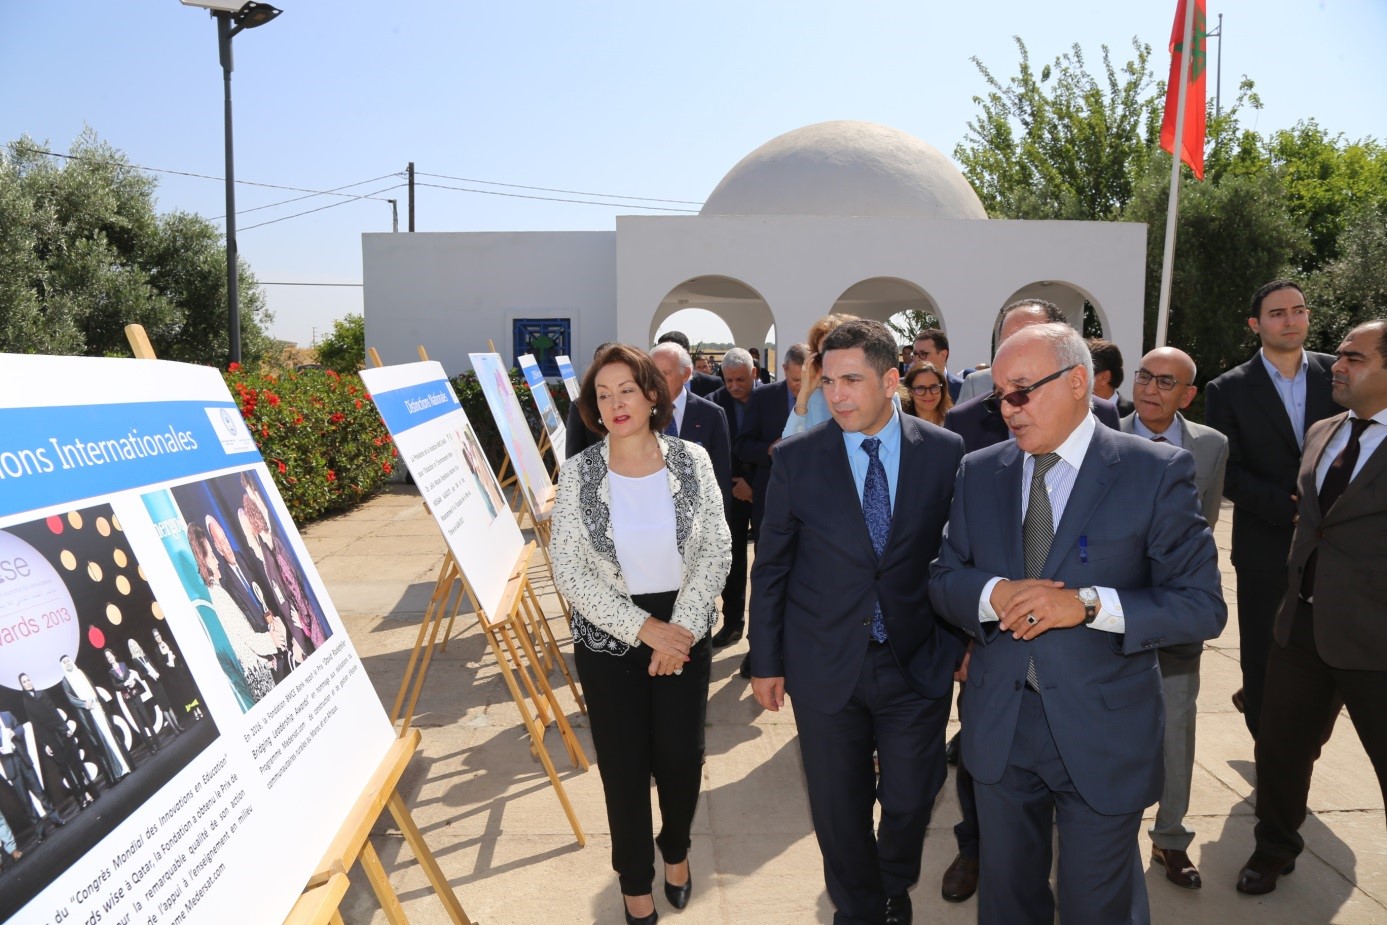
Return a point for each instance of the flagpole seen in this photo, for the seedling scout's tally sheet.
(1173, 203)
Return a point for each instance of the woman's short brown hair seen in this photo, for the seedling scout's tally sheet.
(643, 371)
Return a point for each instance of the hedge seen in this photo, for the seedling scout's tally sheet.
(473, 400)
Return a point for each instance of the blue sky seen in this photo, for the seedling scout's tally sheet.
(638, 99)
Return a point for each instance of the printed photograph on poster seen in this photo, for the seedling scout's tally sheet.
(467, 445)
(243, 578)
(569, 376)
(544, 403)
(494, 378)
(97, 708)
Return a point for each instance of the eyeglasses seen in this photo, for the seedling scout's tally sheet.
(1021, 397)
(923, 354)
(1164, 383)
(923, 390)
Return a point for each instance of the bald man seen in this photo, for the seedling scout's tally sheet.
(1162, 387)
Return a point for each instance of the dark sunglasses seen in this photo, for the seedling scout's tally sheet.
(1021, 397)
(923, 390)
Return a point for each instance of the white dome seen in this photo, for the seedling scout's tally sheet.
(843, 169)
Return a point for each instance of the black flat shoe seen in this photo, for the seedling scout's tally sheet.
(678, 896)
(729, 634)
(650, 919)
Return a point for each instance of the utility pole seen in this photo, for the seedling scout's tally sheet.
(394, 214)
(411, 196)
(1218, 69)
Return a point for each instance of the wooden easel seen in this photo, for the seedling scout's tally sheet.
(510, 632)
(322, 895)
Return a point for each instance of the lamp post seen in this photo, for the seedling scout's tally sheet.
(232, 16)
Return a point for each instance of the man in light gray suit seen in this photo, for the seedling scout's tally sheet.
(1162, 387)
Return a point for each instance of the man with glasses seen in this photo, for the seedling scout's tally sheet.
(1162, 387)
(932, 346)
(1073, 553)
(1264, 407)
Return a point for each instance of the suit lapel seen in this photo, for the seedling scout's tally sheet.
(1265, 396)
(1008, 497)
(1372, 468)
(907, 486)
(839, 472)
(1092, 484)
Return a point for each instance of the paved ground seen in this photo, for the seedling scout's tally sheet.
(500, 836)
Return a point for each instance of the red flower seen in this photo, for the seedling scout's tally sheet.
(337, 417)
(331, 476)
(264, 431)
(387, 468)
(298, 419)
(333, 374)
(234, 367)
(272, 398)
(351, 390)
(282, 468)
(358, 404)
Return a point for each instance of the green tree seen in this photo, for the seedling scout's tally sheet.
(344, 348)
(83, 253)
(1352, 287)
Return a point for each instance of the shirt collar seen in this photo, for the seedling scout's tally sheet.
(680, 401)
(1276, 373)
(1075, 446)
(1172, 433)
(890, 437)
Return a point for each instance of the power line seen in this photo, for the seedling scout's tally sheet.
(331, 205)
(546, 189)
(262, 282)
(334, 190)
(581, 202)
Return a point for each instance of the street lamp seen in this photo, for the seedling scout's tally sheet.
(232, 16)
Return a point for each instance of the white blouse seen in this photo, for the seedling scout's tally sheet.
(643, 532)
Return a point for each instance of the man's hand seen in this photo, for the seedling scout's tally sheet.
(741, 490)
(769, 693)
(1004, 590)
(770, 450)
(962, 673)
(666, 639)
(661, 664)
(1040, 607)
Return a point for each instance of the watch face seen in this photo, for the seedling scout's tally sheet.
(1088, 595)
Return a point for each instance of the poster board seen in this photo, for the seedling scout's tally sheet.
(569, 376)
(441, 450)
(494, 376)
(544, 404)
(129, 517)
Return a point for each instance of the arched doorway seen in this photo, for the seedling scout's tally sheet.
(899, 304)
(1078, 305)
(740, 307)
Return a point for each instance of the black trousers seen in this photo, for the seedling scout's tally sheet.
(966, 832)
(734, 590)
(644, 727)
(1303, 697)
(861, 869)
(1260, 592)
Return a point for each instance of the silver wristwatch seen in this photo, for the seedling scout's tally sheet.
(1089, 598)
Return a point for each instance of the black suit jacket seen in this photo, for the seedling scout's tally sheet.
(243, 594)
(724, 400)
(766, 413)
(1263, 456)
(817, 579)
(577, 437)
(706, 424)
(981, 428)
(704, 384)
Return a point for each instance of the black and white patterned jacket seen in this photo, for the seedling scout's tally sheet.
(587, 572)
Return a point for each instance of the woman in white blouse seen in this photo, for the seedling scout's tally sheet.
(641, 551)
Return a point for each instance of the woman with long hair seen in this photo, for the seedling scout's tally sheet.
(925, 393)
(810, 406)
(641, 552)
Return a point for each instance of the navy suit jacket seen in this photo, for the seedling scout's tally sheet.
(1132, 523)
(706, 424)
(724, 400)
(243, 595)
(704, 384)
(577, 437)
(955, 383)
(982, 428)
(766, 413)
(816, 579)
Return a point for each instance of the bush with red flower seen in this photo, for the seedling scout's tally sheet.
(323, 442)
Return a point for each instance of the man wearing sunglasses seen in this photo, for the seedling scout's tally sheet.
(1073, 553)
(1162, 387)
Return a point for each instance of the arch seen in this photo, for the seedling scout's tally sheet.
(745, 312)
(1070, 297)
(884, 298)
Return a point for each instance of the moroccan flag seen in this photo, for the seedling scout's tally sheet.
(1194, 60)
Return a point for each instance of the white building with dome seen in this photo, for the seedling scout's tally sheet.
(838, 216)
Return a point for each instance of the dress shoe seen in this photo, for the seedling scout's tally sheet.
(678, 896)
(898, 910)
(960, 880)
(951, 750)
(650, 919)
(1239, 701)
(1179, 869)
(730, 633)
(745, 670)
(1259, 874)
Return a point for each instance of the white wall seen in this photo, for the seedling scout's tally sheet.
(452, 291)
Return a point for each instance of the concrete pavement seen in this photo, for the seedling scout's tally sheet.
(486, 807)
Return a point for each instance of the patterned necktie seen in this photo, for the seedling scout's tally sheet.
(876, 509)
(1336, 479)
(671, 429)
(1038, 532)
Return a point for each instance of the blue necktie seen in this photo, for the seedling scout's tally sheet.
(672, 429)
(876, 508)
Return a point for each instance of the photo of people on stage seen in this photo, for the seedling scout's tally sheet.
(250, 591)
(97, 710)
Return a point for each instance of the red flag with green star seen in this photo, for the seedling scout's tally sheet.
(1192, 138)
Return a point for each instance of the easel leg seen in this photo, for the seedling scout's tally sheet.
(548, 641)
(380, 884)
(433, 615)
(425, 857)
(541, 707)
(570, 741)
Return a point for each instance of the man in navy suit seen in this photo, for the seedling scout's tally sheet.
(766, 413)
(695, 419)
(1073, 554)
(701, 384)
(841, 621)
(739, 377)
(932, 346)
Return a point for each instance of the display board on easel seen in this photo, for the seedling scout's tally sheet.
(554, 431)
(569, 376)
(175, 617)
(536, 486)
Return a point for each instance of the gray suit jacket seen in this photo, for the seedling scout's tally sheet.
(1350, 583)
(978, 383)
(1210, 449)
